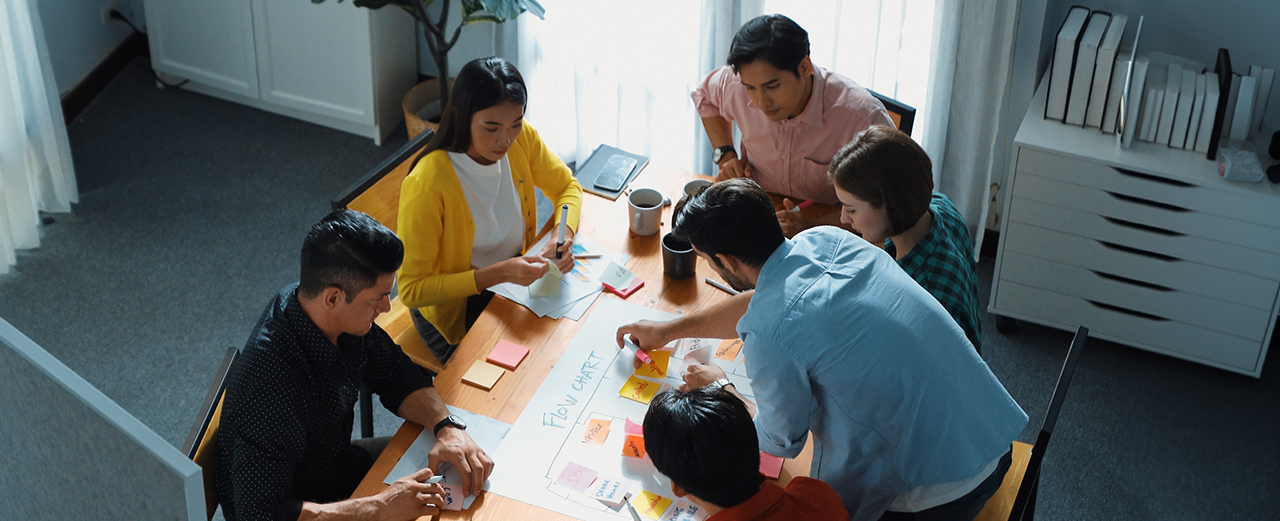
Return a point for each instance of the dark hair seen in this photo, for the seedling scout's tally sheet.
(887, 169)
(733, 217)
(349, 250)
(482, 83)
(705, 441)
(773, 38)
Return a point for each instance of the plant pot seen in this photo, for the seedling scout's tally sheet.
(420, 96)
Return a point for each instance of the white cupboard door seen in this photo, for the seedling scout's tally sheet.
(205, 42)
(315, 57)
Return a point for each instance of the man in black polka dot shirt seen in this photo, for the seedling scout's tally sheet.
(284, 443)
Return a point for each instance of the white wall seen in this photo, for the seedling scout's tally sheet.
(77, 37)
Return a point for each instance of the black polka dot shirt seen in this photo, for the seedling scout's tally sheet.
(285, 434)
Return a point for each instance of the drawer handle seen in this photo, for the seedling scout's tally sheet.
(1131, 312)
(1149, 177)
(1148, 202)
(1130, 281)
(1135, 251)
(1143, 227)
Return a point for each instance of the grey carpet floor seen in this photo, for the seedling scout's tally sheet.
(192, 212)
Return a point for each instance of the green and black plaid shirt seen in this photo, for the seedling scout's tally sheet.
(943, 264)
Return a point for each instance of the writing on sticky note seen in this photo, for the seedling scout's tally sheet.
(483, 375)
(597, 431)
(634, 428)
(656, 367)
(548, 285)
(452, 497)
(507, 354)
(633, 447)
(699, 349)
(650, 505)
(729, 349)
(617, 276)
(576, 477)
(770, 465)
(611, 491)
(638, 389)
(683, 510)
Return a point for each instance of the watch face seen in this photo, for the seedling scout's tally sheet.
(716, 155)
(456, 421)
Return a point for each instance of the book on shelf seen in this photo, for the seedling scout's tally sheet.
(1172, 88)
(1244, 108)
(1233, 94)
(1182, 115)
(1266, 77)
(1197, 108)
(1083, 72)
(1064, 59)
(1133, 100)
(1104, 75)
(1209, 113)
(1222, 69)
(1153, 102)
(1111, 112)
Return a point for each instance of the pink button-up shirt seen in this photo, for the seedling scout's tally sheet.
(790, 157)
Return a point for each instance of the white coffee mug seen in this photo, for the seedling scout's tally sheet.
(645, 209)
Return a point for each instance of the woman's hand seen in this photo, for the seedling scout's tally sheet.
(565, 262)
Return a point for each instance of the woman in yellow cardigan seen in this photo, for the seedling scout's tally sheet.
(467, 210)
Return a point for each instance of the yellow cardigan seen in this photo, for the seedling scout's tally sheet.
(438, 232)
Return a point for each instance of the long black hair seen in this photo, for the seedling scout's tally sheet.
(482, 83)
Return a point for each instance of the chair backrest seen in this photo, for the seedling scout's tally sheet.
(377, 193)
(903, 115)
(201, 445)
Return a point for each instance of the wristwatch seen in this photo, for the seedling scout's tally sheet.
(721, 383)
(718, 154)
(449, 421)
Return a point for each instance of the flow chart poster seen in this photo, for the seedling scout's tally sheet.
(574, 448)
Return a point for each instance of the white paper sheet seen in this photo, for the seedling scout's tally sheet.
(487, 433)
(578, 288)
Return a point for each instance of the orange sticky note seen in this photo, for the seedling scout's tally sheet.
(633, 447)
(656, 367)
(597, 431)
(650, 505)
(770, 465)
(483, 375)
(638, 389)
(729, 349)
(507, 354)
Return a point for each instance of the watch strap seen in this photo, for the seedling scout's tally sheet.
(448, 421)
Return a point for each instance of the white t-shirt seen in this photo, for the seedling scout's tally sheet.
(491, 195)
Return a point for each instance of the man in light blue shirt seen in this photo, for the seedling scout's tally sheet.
(907, 419)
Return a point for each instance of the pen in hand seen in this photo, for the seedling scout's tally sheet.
(564, 216)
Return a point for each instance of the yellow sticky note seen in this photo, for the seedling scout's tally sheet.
(638, 389)
(650, 505)
(657, 366)
(548, 285)
(729, 349)
(597, 431)
(483, 375)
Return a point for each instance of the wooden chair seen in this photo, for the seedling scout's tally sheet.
(1016, 498)
(378, 194)
(201, 445)
(903, 115)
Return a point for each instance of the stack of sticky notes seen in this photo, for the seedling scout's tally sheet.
(770, 465)
(483, 375)
(620, 280)
(507, 354)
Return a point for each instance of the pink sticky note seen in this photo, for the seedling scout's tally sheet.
(507, 354)
(634, 428)
(770, 465)
(452, 497)
(576, 477)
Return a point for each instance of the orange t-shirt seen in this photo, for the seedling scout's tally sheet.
(804, 499)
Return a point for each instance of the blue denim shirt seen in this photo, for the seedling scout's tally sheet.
(838, 340)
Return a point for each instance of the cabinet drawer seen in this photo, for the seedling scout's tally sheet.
(1147, 212)
(1253, 209)
(1157, 301)
(1164, 336)
(1144, 238)
(1199, 279)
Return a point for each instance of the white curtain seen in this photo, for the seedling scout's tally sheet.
(36, 172)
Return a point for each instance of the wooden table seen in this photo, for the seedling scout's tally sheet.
(606, 223)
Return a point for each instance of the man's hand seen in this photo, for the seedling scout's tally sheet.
(410, 498)
(791, 221)
(456, 447)
(700, 375)
(647, 334)
(731, 166)
(565, 262)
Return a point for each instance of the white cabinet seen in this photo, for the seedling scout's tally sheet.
(332, 64)
(1147, 247)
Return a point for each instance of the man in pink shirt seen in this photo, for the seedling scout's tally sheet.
(793, 116)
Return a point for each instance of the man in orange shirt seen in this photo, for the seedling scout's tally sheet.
(705, 442)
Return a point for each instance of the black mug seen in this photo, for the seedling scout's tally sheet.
(678, 260)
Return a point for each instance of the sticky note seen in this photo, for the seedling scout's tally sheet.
(729, 349)
(633, 447)
(611, 491)
(656, 367)
(597, 431)
(650, 505)
(453, 497)
(507, 354)
(616, 276)
(548, 285)
(634, 428)
(576, 477)
(694, 348)
(636, 284)
(683, 510)
(483, 375)
(638, 389)
(770, 465)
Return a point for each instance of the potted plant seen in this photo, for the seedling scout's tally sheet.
(440, 40)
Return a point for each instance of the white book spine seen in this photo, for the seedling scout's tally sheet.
(1256, 72)
(1244, 108)
(1182, 116)
(1151, 113)
(1197, 107)
(1064, 58)
(1170, 106)
(1082, 75)
(1103, 72)
(1210, 112)
(1262, 97)
(1229, 118)
(1133, 103)
(1111, 114)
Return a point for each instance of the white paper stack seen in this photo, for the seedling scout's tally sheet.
(1182, 115)
(1172, 89)
(1197, 107)
(1104, 76)
(1210, 112)
(1083, 72)
(578, 288)
(1064, 58)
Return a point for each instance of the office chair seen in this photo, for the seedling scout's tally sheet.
(201, 445)
(1016, 498)
(903, 115)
